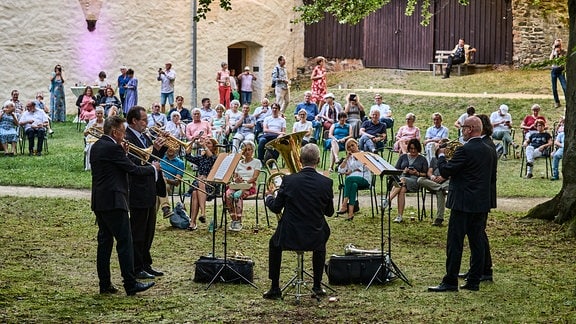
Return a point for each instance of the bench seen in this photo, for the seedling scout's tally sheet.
(441, 60)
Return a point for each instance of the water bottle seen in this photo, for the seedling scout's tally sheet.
(211, 226)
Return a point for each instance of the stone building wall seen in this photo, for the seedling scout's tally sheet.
(143, 35)
(536, 27)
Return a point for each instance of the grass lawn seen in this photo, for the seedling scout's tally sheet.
(47, 259)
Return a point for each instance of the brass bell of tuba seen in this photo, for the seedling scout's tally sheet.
(289, 148)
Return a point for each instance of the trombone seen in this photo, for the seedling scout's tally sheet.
(144, 155)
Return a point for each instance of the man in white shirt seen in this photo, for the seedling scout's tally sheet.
(434, 135)
(35, 122)
(206, 112)
(166, 79)
(501, 122)
(274, 126)
(385, 111)
(260, 114)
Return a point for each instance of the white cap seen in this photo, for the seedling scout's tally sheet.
(329, 95)
(246, 68)
(503, 109)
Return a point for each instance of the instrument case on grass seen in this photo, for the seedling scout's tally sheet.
(357, 269)
(207, 267)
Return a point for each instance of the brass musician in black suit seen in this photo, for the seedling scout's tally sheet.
(471, 171)
(143, 192)
(306, 197)
(110, 168)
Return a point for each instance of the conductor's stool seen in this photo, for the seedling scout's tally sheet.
(297, 286)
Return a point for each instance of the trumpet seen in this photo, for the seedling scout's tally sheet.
(169, 140)
(350, 249)
(144, 156)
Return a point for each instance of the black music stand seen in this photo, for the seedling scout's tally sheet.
(377, 165)
(221, 173)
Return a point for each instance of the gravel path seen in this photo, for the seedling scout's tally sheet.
(504, 204)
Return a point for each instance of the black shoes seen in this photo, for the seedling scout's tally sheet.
(437, 222)
(318, 292)
(108, 290)
(273, 294)
(443, 287)
(469, 286)
(445, 76)
(155, 273)
(144, 275)
(464, 275)
(167, 212)
(138, 287)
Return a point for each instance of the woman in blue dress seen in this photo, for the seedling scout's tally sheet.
(8, 128)
(131, 92)
(57, 99)
(338, 134)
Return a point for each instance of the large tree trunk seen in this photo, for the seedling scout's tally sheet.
(562, 208)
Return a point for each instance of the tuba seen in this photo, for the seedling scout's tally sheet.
(289, 148)
(450, 147)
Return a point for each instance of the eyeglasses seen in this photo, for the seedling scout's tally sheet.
(275, 108)
(301, 114)
(378, 98)
(156, 106)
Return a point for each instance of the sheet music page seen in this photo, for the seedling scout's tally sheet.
(379, 162)
(224, 166)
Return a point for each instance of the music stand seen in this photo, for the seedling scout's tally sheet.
(377, 165)
(221, 173)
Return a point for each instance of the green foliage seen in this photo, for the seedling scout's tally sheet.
(204, 8)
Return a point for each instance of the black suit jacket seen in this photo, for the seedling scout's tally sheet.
(143, 190)
(493, 192)
(306, 198)
(470, 171)
(110, 169)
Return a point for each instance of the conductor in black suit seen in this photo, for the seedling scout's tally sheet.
(306, 197)
(110, 168)
(143, 191)
(469, 198)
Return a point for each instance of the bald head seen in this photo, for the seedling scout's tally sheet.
(474, 124)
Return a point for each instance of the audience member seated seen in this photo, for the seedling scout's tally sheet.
(8, 128)
(437, 184)
(232, 116)
(218, 124)
(470, 111)
(156, 118)
(109, 100)
(406, 133)
(206, 112)
(557, 156)
(435, 134)
(529, 123)
(303, 125)
(372, 133)
(86, 104)
(329, 113)
(197, 128)
(247, 171)
(358, 177)
(185, 115)
(501, 122)
(337, 137)
(97, 123)
(260, 113)
(204, 162)
(311, 113)
(537, 145)
(385, 111)
(413, 165)
(175, 126)
(244, 127)
(40, 105)
(273, 126)
(35, 122)
(173, 171)
(356, 113)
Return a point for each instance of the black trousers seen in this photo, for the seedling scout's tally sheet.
(453, 60)
(31, 133)
(114, 225)
(275, 262)
(465, 224)
(143, 224)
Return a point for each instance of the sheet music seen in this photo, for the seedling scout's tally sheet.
(224, 166)
(379, 162)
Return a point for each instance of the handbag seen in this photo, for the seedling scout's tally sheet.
(180, 219)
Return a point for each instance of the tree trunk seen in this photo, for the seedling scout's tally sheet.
(562, 208)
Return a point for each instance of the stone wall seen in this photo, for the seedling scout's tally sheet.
(37, 35)
(536, 27)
